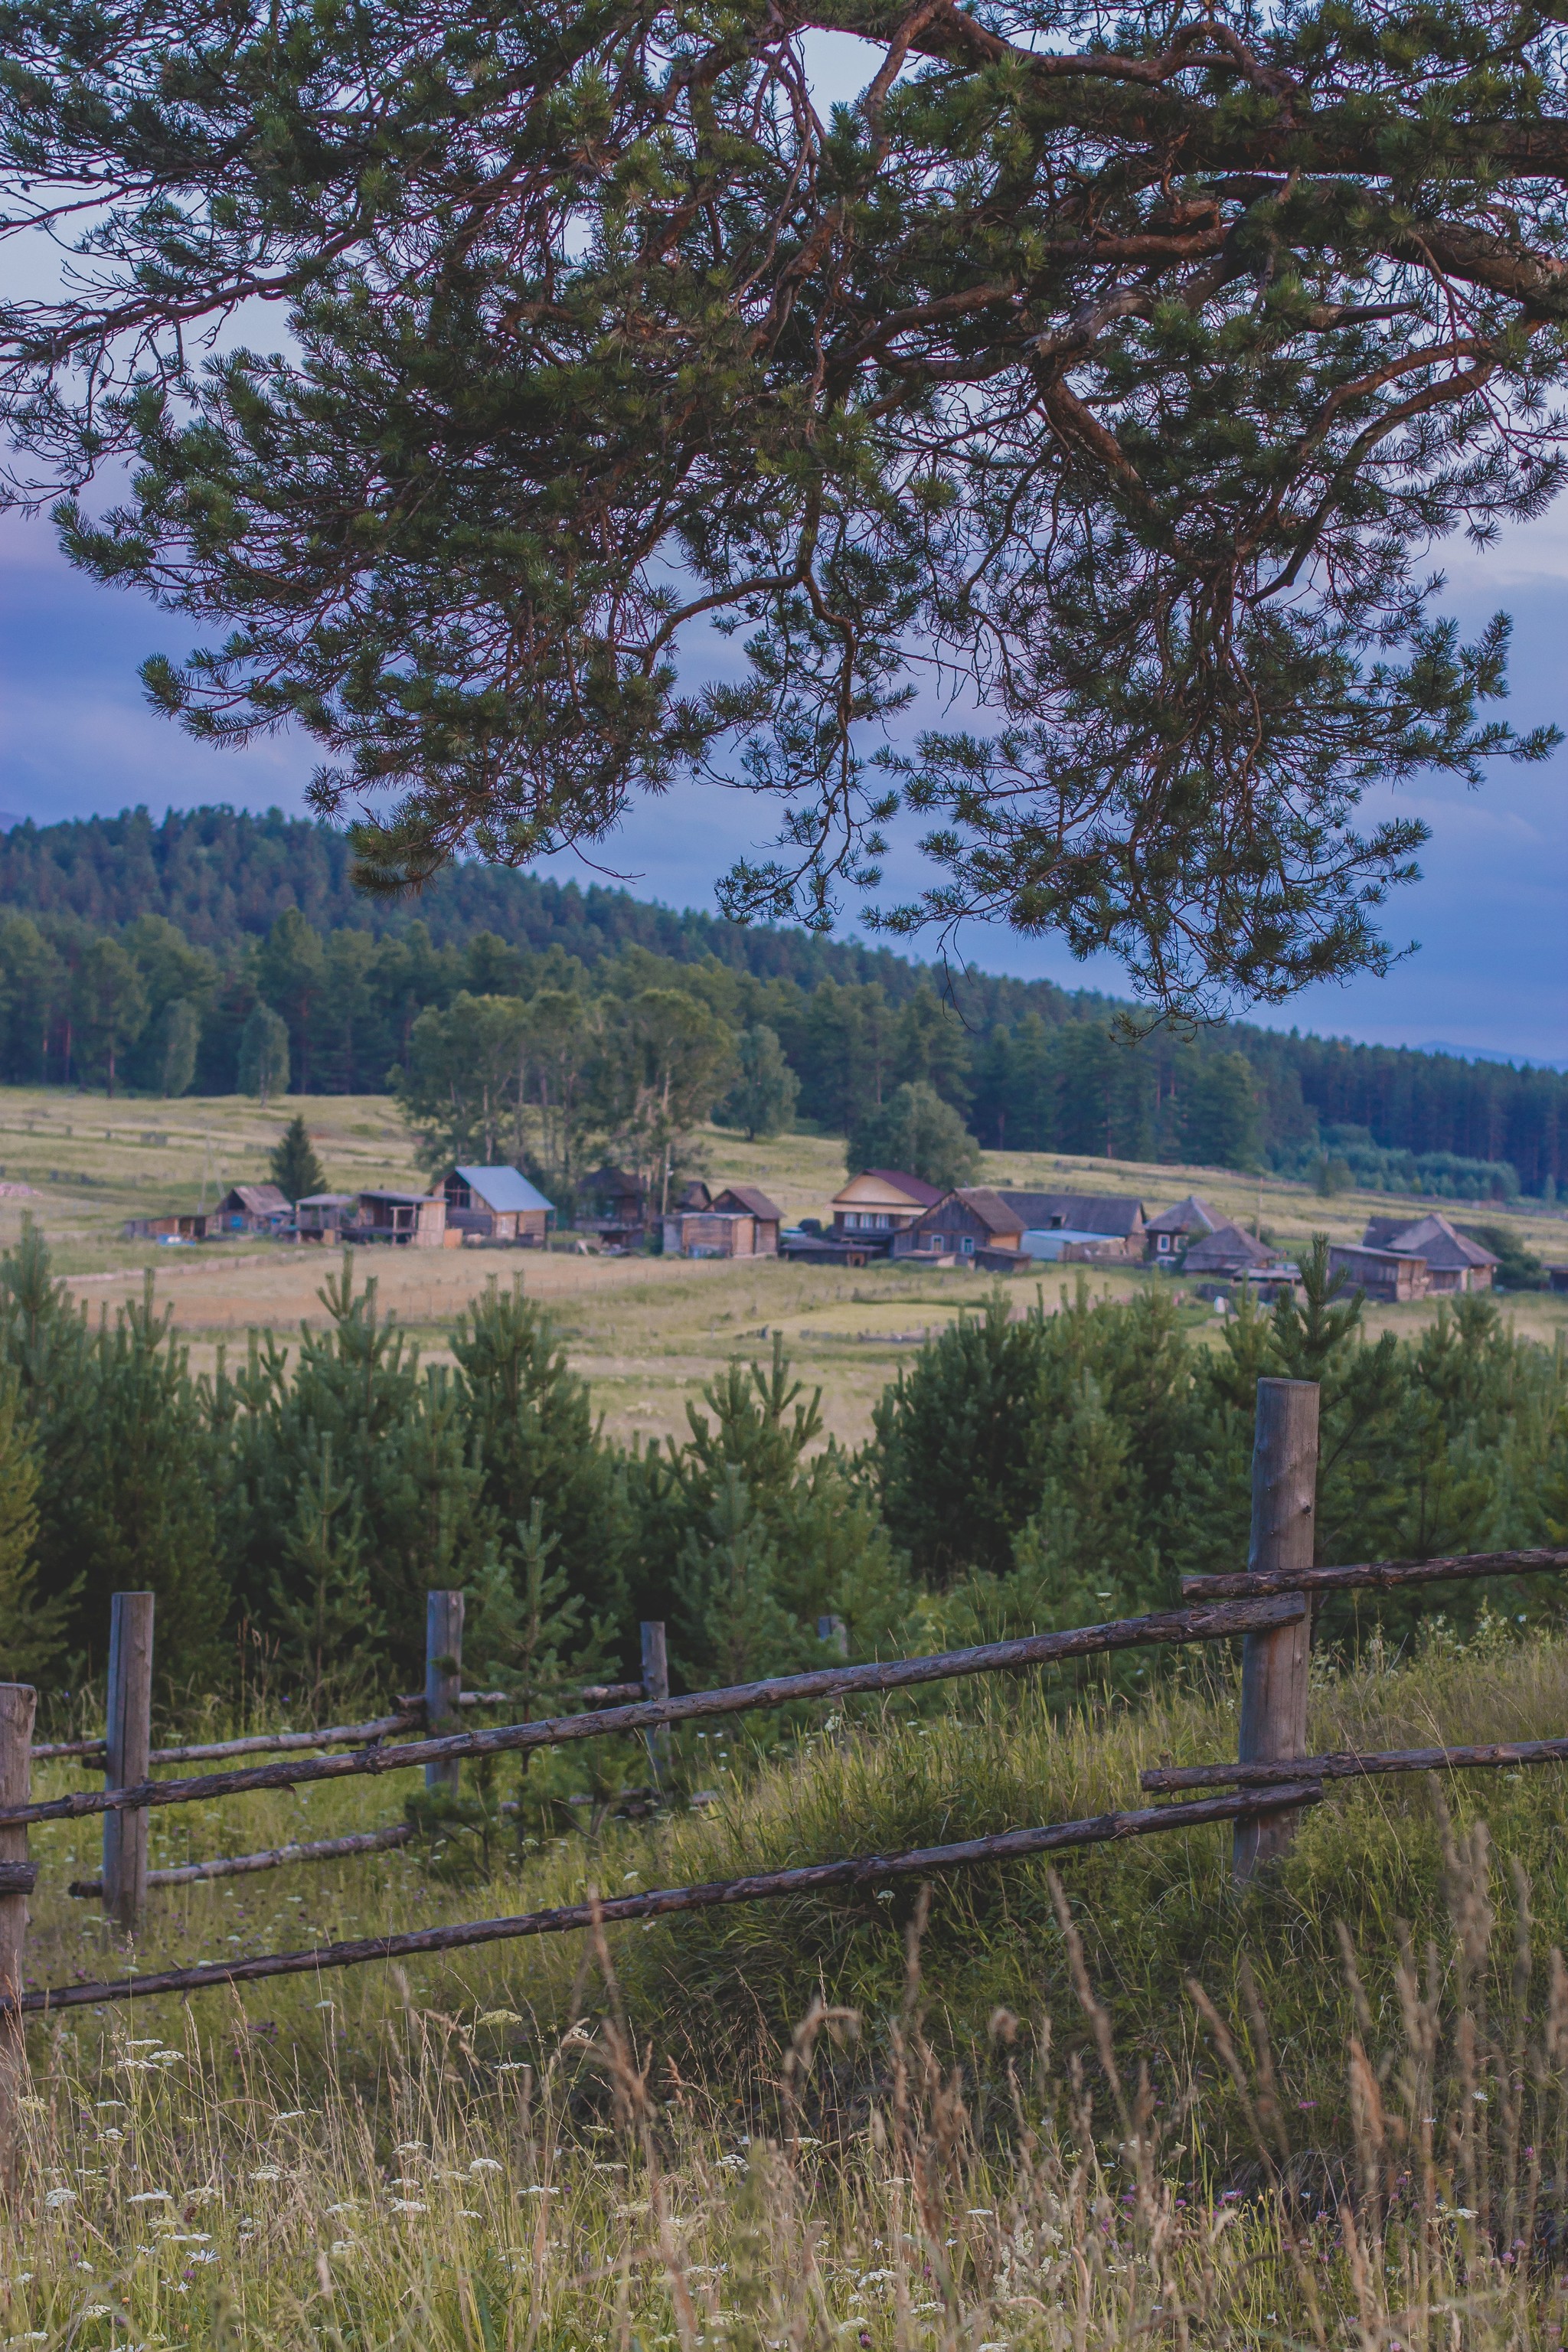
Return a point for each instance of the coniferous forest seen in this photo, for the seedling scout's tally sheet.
(163, 959)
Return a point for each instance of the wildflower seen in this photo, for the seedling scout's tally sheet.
(347, 2206)
(409, 2147)
(291, 2115)
(409, 2205)
(268, 2172)
(61, 2197)
(486, 2164)
(345, 2245)
(498, 2017)
(981, 2212)
(150, 2197)
(98, 2311)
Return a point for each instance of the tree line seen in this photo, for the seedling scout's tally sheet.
(101, 985)
(1027, 1468)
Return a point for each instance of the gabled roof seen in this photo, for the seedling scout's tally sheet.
(1435, 1239)
(914, 1188)
(325, 1200)
(503, 1189)
(1192, 1215)
(260, 1199)
(982, 1202)
(613, 1179)
(753, 1201)
(1101, 1213)
(1226, 1247)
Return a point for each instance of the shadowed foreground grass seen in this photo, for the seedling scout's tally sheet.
(1121, 2105)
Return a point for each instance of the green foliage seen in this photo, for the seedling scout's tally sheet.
(550, 1487)
(693, 461)
(327, 1626)
(1517, 1268)
(915, 1132)
(263, 1068)
(31, 1622)
(178, 1035)
(293, 1165)
(462, 1089)
(110, 1006)
(763, 1099)
(745, 1536)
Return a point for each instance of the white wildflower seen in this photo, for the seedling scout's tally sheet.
(291, 2115)
(268, 2172)
(60, 2196)
(498, 2017)
(151, 2197)
(486, 2164)
(409, 2205)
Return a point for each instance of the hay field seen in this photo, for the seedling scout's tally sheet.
(648, 1332)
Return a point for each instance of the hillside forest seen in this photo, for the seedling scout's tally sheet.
(1025, 1470)
(525, 1019)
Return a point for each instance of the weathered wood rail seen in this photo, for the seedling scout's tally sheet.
(810, 1878)
(1224, 1619)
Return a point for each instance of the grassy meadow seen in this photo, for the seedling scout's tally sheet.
(1116, 2103)
(648, 1333)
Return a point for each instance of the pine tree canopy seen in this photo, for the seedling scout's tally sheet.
(1122, 375)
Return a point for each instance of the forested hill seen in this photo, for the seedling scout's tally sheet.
(225, 876)
(140, 952)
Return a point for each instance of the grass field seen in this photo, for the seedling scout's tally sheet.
(648, 1333)
(1132, 2109)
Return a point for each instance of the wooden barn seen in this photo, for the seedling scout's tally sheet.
(496, 1204)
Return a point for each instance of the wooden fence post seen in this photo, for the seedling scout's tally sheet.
(443, 1679)
(834, 1630)
(19, 1705)
(130, 1743)
(1274, 1665)
(656, 1685)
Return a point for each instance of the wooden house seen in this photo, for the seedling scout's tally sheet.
(878, 1204)
(1168, 1236)
(496, 1204)
(1454, 1262)
(741, 1222)
(408, 1220)
(970, 1226)
(177, 1225)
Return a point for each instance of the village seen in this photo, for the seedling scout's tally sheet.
(878, 1215)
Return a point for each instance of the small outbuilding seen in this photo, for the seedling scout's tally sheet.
(615, 1206)
(1454, 1262)
(252, 1209)
(322, 1216)
(1392, 1276)
(1230, 1253)
(496, 1204)
(408, 1220)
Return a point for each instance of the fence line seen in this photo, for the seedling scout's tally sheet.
(1346, 1764)
(810, 1878)
(1370, 1575)
(257, 1743)
(272, 1857)
(1166, 1626)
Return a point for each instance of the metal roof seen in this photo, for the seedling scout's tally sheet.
(1100, 1214)
(503, 1189)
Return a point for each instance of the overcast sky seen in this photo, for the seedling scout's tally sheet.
(1490, 913)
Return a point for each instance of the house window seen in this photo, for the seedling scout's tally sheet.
(968, 1245)
(1164, 1241)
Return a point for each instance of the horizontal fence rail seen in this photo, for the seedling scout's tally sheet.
(255, 1743)
(1372, 1575)
(272, 1857)
(810, 1878)
(1167, 1626)
(1345, 1764)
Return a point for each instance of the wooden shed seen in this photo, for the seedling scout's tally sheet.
(410, 1220)
(1391, 1275)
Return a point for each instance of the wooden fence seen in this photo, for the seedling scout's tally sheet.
(1267, 1605)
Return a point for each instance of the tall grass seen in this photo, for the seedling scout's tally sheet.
(1116, 2106)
